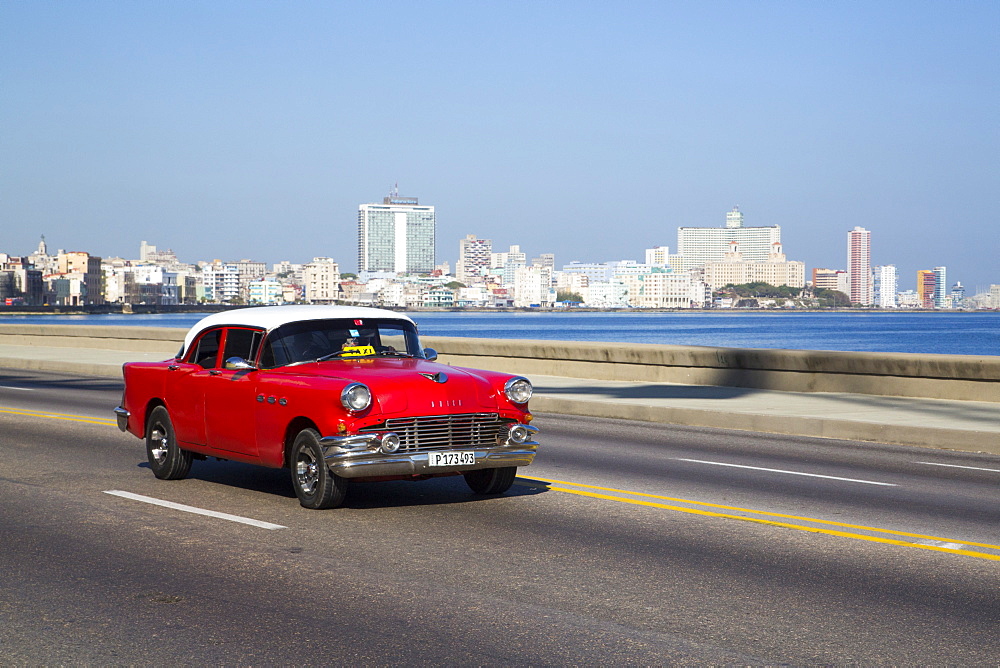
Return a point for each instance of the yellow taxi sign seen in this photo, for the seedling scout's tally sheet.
(357, 351)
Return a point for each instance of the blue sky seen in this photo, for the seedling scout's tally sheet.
(588, 129)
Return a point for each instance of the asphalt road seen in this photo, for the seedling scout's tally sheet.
(625, 543)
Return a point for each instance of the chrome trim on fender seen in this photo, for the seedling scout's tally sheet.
(350, 443)
(122, 416)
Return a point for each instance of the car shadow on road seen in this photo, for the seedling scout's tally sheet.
(360, 495)
(244, 476)
(434, 492)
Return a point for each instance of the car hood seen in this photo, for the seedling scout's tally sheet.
(410, 385)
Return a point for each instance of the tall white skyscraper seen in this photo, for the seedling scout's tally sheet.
(698, 246)
(859, 266)
(940, 287)
(885, 286)
(397, 235)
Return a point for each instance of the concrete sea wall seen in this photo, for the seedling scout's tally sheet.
(955, 377)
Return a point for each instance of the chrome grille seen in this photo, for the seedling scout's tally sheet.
(441, 432)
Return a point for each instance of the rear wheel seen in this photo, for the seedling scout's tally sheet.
(166, 459)
(491, 481)
(316, 487)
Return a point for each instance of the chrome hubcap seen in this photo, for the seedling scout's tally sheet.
(158, 445)
(306, 472)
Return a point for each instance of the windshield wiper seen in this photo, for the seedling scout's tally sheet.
(394, 353)
(337, 353)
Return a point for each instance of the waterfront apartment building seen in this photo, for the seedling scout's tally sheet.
(397, 235)
(958, 295)
(665, 289)
(885, 286)
(533, 286)
(156, 285)
(926, 286)
(21, 283)
(321, 281)
(941, 287)
(859, 266)
(267, 291)
(698, 246)
(829, 279)
(221, 281)
(473, 258)
(85, 268)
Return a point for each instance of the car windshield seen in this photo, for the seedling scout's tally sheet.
(313, 340)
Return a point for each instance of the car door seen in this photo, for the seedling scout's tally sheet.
(187, 381)
(231, 397)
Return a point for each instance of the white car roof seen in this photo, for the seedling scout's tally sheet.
(269, 317)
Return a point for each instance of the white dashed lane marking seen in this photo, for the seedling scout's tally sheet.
(193, 509)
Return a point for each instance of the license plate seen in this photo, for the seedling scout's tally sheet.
(451, 458)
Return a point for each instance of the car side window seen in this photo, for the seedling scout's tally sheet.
(206, 350)
(242, 343)
(392, 339)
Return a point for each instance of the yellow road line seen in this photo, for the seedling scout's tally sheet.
(653, 504)
(759, 520)
(58, 416)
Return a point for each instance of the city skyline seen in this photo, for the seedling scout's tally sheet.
(254, 130)
(699, 239)
(858, 239)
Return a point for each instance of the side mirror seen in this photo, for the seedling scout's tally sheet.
(238, 364)
(430, 354)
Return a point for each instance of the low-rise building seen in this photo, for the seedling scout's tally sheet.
(605, 294)
(86, 267)
(666, 289)
(440, 297)
(266, 291)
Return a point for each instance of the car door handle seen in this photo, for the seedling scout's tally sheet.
(173, 367)
(215, 372)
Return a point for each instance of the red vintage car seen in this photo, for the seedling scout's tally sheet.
(333, 393)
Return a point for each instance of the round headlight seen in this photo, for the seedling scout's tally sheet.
(356, 397)
(518, 390)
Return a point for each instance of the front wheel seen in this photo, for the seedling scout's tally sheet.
(316, 487)
(166, 459)
(491, 481)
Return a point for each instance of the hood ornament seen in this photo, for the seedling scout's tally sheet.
(438, 377)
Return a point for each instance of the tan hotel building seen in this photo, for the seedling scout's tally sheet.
(734, 270)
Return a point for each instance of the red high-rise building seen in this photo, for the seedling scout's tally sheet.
(926, 286)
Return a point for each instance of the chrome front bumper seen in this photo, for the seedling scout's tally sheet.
(361, 456)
